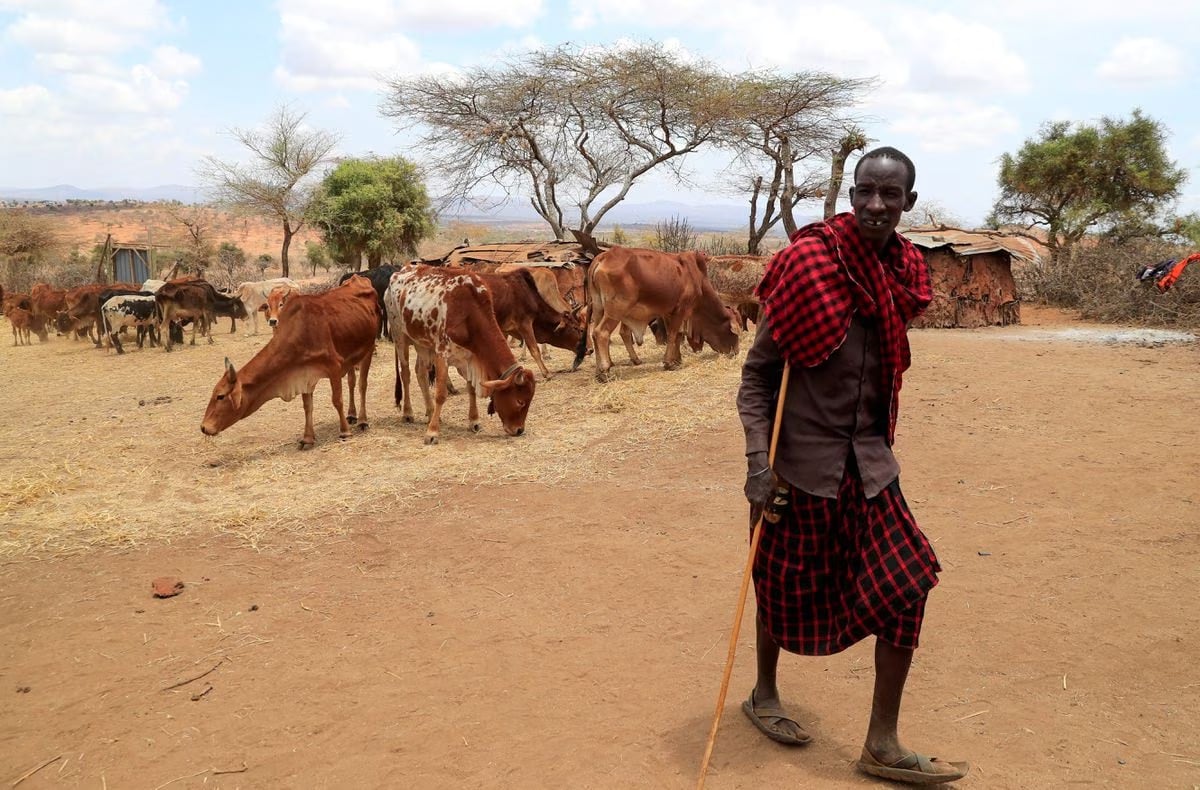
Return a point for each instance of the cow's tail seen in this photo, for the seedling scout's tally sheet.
(399, 383)
(586, 313)
(105, 327)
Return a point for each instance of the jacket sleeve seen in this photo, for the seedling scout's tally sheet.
(761, 376)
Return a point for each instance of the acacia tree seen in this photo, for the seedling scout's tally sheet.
(199, 251)
(276, 181)
(1075, 178)
(778, 125)
(574, 127)
(373, 207)
(26, 240)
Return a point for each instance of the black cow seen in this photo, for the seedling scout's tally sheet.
(381, 278)
(125, 310)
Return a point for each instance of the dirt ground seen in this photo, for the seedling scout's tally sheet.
(566, 625)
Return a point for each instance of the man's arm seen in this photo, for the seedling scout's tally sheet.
(761, 375)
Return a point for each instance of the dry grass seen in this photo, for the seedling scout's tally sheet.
(104, 451)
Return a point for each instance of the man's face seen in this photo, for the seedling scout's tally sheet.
(879, 196)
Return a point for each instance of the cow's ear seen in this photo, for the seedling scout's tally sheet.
(522, 377)
(231, 371)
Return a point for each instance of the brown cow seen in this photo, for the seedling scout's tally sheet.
(276, 299)
(195, 299)
(523, 313)
(21, 320)
(48, 302)
(82, 313)
(628, 288)
(736, 277)
(321, 336)
(447, 314)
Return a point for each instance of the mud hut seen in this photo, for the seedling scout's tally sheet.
(972, 273)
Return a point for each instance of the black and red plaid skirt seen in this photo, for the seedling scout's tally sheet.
(832, 572)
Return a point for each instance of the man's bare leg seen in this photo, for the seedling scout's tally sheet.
(766, 692)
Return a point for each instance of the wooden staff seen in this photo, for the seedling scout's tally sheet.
(747, 573)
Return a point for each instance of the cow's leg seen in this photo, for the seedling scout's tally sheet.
(435, 422)
(115, 340)
(310, 433)
(473, 410)
(335, 388)
(364, 369)
(531, 344)
(672, 359)
(423, 365)
(627, 338)
(401, 346)
(601, 336)
(351, 380)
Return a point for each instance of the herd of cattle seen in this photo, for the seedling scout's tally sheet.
(450, 316)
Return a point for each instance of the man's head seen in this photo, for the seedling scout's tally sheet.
(883, 190)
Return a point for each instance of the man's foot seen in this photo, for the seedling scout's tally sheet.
(911, 768)
(768, 715)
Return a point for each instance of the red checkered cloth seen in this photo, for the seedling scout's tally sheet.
(812, 287)
(833, 571)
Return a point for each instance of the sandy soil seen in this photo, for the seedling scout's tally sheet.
(573, 634)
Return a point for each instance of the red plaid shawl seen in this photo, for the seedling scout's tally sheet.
(813, 286)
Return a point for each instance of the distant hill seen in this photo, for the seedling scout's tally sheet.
(702, 216)
(63, 192)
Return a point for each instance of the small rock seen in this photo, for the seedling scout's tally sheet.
(23, 689)
(141, 403)
(166, 586)
(254, 607)
(1120, 761)
(985, 554)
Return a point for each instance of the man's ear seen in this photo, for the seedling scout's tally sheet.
(852, 194)
(911, 201)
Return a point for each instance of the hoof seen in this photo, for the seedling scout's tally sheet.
(431, 439)
(407, 418)
(671, 366)
(362, 426)
(344, 436)
(306, 444)
(476, 427)
(351, 419)
(605, 376)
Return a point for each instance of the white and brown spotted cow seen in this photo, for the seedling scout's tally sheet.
(446, 313)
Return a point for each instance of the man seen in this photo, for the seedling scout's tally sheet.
(841, 557)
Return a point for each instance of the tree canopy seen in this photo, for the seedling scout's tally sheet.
(376, 207)
(1073, 179)
(277, 181)
(574, 126)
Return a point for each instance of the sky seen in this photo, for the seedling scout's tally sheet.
(104, 93)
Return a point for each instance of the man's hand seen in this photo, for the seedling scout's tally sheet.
(760, 481)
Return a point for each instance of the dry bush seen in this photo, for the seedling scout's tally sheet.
(714, 244)
(674, 235)
(1099, 281)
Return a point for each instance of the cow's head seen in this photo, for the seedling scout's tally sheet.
(225, 407)
(510, 397)
(64, 322)
(716, 325)
(275, 302)
(239, 308)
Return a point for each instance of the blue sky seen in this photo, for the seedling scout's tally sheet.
(100, 93)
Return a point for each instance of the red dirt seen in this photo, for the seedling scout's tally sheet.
(527, 636)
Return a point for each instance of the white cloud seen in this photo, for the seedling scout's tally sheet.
(168, 62)
(1142, 62)
(27, 100)
(952, 54)
(350, 46)
(941, 124)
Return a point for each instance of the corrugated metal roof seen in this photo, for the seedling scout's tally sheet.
(546, 253)
(966, 242)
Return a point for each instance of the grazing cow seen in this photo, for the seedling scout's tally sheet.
(82, 313)
(254, 295)
(47, 302)
(275, 301)
(628, 288)
(380, 277)
(520, 311)
(124, 310)
(735, 277)
(322, 336)
(447, 314)
(21, 320)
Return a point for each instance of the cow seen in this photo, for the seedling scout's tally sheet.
(275, 301)
(447, 314)
(47, 302)
(380, 277)
(254, 295)
(627, 288)
(82, 313)
(195, 299)
(735, 277)
(124, 310)
(22, 321)
(322, 336)
(153, 285)
(521, 311)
